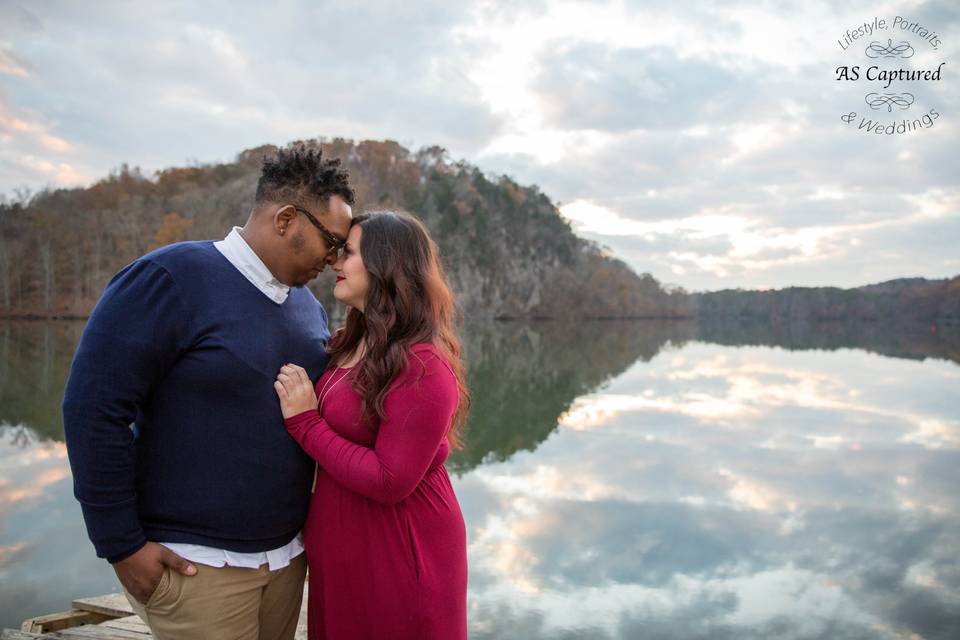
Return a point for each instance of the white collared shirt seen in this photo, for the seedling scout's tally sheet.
(235, 249)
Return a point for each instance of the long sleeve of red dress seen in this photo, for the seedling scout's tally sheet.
(417, 414)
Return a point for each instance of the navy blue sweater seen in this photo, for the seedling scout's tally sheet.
(183, 346)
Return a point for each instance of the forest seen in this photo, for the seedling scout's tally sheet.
(506, 248)
(897, 301)
(508, 252)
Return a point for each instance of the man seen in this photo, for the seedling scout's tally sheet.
(199, 507)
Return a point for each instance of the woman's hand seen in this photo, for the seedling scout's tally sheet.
(295, 390)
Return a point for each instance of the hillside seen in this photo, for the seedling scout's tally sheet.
(507, 250)
(901, 300)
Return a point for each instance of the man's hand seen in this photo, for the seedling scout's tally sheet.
(295, 390)
(140, 573)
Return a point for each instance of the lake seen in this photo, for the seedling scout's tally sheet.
(626, 480)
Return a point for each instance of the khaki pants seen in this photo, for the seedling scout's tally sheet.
(226, 603)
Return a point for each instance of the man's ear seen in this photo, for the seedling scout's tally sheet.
(282, 218)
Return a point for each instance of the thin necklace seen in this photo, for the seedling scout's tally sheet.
(324, 392)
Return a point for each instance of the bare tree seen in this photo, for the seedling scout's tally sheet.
(5, 274)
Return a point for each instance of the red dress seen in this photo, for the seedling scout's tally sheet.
(385, 538)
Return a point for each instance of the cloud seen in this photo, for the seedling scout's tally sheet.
(33, 154)
(656, 113)
(62, 174)
(10, 65)
(14, 125)
(162, 84)
(594, 86)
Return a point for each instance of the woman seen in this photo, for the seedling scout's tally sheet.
(385, 537)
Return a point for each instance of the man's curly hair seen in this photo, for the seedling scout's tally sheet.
(299, 172)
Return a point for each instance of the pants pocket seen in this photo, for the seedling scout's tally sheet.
(162, 588)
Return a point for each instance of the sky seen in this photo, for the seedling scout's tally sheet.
(700, 142)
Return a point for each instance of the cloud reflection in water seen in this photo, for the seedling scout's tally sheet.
(626, 480)
(730, 492)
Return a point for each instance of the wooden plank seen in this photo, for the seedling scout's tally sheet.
(12, 634)
(99, 632)
(130, 623)
(114, 605)
(117, 621)
(61, 620)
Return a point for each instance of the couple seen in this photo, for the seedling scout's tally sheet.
(255, 436)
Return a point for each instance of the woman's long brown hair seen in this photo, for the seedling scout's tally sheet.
(408, 302)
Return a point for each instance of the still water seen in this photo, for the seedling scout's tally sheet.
(626, 480)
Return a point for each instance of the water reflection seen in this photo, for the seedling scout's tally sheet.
(45, 558)
(915, 341)
(719, 492)
(626, 480)
(525, 376)
(35, 358)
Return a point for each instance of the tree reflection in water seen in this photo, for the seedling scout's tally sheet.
(524, 376)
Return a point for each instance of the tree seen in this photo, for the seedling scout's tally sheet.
(172, 229)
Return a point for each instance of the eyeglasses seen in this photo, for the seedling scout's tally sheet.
(336, 245)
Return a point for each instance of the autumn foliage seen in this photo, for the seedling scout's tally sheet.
(507, 250)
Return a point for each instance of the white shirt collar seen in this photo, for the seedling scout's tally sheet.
(235, 249)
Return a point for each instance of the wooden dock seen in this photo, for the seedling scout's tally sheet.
(108, 617)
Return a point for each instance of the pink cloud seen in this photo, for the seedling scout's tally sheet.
(10, 65)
